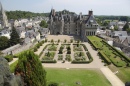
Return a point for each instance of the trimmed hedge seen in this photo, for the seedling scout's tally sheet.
(9, 58)
(94, 46)
(125, 57)
(40, 54)
(85, 48)
(49, 61)
(80, 62)
(89, 56)
(45, 47)
(104, 57)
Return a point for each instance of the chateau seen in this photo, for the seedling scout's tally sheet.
(71, 24)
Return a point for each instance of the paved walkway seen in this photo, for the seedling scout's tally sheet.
(14, 59)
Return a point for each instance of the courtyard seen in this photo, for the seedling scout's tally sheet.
(57, 51)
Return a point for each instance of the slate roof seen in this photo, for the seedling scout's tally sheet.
(120, 33)
(20, 29)
(91, 20)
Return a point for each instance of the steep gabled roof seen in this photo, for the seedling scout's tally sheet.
(91, 20)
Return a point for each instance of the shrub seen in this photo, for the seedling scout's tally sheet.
(89, 56)
(65, 41)
(104, 57)
(48, 61)
(35, 49)
(46, 40)
(71, 40)
(60, 51)
(60, 57)
(68, 51)
(80, 62)
(53, 84)
(68, 48)
(9, 58)
(52, 40)
(85, 48)
(68, 58)
(58, 40)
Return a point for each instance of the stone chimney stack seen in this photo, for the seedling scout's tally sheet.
(90, 12)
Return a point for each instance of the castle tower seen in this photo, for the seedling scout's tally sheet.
(3, 17)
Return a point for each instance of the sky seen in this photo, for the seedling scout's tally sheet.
(99, 7)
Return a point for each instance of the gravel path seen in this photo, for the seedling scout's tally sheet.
(14, 59)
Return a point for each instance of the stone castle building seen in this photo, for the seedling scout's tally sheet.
(3, 17)
(69, 23)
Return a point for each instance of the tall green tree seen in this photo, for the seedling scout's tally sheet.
(43, 24)
(30, 68)
(126, 26)
(4, 42)
(14, 37)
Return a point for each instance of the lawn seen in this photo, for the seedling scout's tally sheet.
(123, 73)
(70, 77)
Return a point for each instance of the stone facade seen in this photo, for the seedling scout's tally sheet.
(72, 24)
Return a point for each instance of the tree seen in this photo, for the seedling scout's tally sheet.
(115, 28)
(31, 69)
(4, 42)
(126, 26)
(15, 39)
(43, 24)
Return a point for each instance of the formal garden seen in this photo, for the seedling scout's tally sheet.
(108, 53)
(74, 52)
(114, 58)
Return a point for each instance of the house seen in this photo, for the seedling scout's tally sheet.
(32, 35)
(6, 33)
(118, 33)
(21, 31)
(119, 24)
(43, 32)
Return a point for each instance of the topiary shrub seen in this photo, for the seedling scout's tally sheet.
(60, 51)
(68, 51)
(53, 84)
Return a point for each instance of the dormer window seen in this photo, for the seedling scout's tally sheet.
(91, 21)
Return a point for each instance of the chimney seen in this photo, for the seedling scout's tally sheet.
(90, 13)
(53, 12)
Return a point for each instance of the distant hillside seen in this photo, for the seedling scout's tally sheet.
(22, 14)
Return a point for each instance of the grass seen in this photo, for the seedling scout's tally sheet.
(123, 73)
(69, 77)
(12, 66)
